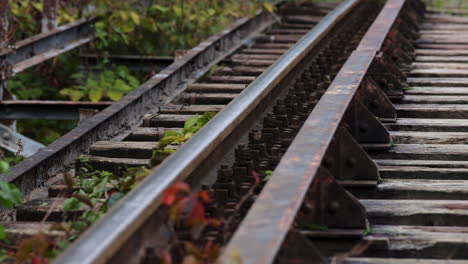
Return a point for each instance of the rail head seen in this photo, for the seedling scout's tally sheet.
(99, 243)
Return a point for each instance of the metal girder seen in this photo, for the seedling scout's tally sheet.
(39, 48)
(17, 143)
(46, 110)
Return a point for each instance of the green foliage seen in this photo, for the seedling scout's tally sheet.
(191, 126)
(97, 192)
(26, 14)
(107, 84)
(10, 196)
(45, 131)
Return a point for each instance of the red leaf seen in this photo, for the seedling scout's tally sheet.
(166, 258)
(204, 196)
(38, 260)
(171, 193)
(256, 177)
(197, 215)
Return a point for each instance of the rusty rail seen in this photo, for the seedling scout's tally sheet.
(304, 187)
(102, 241)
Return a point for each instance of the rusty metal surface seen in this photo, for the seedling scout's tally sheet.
(99, 243)
(270, 218)
(265, 227)
(36, 49)
(373, 39)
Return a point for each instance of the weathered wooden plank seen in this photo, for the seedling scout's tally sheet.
(436, 91)
(123, 149)
(434, 99)
(256, 63)
(207, 98)
(453, 111)
(387, 163)
(443, 26)
(440, 52)
(417, 212)
(429, 124)
(244, 57)
(415, 189)
(400, 261)
(438, 242)
(149, 133)
(215, 88)
(166, 120)
(439, 72)
(191, 109)
(424, 151)
(36, 210)
(420, 172)
(240, 70)
(440, 46)
(232, 79)
(438, 66)
(454, 82)
(439, 18)
(264, 51)
(435, 40)
(420, 137)
(17, 231)
(447, 58)
(117, 166)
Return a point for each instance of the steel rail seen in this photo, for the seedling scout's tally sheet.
(264, 229)
(102, 240)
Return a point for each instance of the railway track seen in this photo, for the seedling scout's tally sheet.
(360, 116)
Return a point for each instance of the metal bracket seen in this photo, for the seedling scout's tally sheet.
(15, 142)
(298, 249)
(376, 101)
(346, 160)
(389, 78)
(329, 205)
(365, 127)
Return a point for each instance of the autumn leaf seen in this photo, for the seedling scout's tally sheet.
(256, 177)
(170, 194)
(204, 196)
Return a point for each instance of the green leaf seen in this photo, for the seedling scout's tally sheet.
(191, 121)
(2, 232)
(114, 198)
(171, 133)
(269, 7)
(115, 95)
(4, 166)
(95, 95)
(71, 204)
(122, 86)
(10, 195)
(135, 17)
